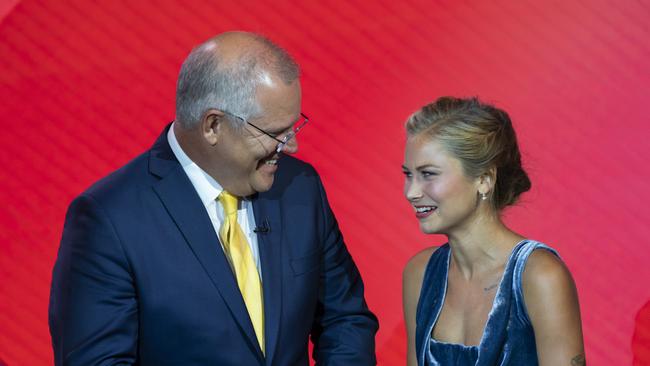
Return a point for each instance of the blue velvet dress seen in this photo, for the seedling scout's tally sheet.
(508, 338)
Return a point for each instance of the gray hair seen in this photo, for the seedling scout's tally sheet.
(207, 81)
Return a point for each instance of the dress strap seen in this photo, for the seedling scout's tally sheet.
(519, 263)
(434, 283)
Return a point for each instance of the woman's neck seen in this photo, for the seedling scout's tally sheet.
(481, 246)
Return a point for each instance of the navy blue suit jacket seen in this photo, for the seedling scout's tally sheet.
(141, 278)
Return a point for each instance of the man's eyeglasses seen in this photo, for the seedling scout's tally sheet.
(295, 128)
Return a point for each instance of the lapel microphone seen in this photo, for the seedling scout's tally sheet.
(262, 229)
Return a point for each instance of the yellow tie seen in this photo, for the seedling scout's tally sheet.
(240, 256)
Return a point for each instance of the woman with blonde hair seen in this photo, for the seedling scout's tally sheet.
(489, 296)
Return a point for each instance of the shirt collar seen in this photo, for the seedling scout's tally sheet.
(206, 186)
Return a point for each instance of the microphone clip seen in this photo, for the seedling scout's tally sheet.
(262, 229)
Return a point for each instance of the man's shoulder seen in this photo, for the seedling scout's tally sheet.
(292, 170)
(294, 177)
(122, 182)
(290, 165)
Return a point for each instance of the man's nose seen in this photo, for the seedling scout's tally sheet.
(291, 147)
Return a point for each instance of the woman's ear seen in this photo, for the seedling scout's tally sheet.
(487, 181)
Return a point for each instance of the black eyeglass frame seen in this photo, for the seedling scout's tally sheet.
(281, 143)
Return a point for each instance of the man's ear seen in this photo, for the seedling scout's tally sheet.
(212, 125)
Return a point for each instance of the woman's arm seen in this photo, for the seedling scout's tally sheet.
(411, 285)
(552, 302)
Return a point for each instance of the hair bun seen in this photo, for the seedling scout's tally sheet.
(481, 136)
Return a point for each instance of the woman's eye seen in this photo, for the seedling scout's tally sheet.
(427, 174)
(406, 174)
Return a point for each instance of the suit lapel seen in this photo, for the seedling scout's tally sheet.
(186, 209)
(267, 213)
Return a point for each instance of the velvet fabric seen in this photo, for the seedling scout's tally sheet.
(508, 338)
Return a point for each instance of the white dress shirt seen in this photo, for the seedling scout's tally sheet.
(208, 190)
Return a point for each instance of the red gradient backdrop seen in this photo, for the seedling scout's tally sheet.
(86, 86)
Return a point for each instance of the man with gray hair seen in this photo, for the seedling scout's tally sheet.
(214, 247)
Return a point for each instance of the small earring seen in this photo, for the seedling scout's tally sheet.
(484, 196)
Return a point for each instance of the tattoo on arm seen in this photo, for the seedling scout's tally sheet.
(578, 360)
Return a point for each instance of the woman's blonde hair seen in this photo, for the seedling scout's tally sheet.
(481, 136)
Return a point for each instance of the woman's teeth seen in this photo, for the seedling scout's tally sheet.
(425, 209)
(271, 162)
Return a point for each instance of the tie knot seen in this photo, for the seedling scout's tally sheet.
(229, 203)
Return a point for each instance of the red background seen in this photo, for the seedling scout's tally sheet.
(86, 86)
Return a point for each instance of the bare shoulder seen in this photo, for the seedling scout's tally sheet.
(414, 269)
(412, 284)
(411, 287)
(546, 272)
(549, 291)
(552, 303)
(414, 274)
